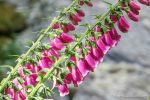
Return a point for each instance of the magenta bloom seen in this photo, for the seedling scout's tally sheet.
(57, 44)
(63, 89)
(76, 17)
(46, 62)
(113, 18)
(133, 16)
(76, 76)
(114, 34)
(98, 54)
(92, 63)
(108, 40)
(145, 2)
(66, 38)
(68, 78)
(102, 46)
(55, 25)
(97, 29)
(11, 93)
(70, 27)
(82, 67)
(20, 72)
(65, 28)
(134, 5)
(81, 13)
(123, 24)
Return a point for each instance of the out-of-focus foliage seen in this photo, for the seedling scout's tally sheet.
(10, 20)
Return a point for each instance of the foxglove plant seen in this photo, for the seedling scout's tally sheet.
(68, 59)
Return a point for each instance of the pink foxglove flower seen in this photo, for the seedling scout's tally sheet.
(108, 40)
(145, 2)
(82, 67)
(46, 62)
(81, 2)
(97, 29)
(55, 25)
(68, 78)
(76, 17)
(66, 38)
(63, 89)
(114, 34)
(133, 16)
(90, 4)
(123, 24)
(76, 76)
(113, 18)
(134, 5)
(70, 27)
(65, 28)
(102, 46)
(81, 13)
(92, 63)
(56, 43)
(97, 53)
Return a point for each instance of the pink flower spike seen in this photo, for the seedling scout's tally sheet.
(82, 67)
(92, 63)
(66, 38)
(108, 40)
(133, 16)
(134, 5)
(56, 44)
(102, 46)
(63, 89)
(70, 27)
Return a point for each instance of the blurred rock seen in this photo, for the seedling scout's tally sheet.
(113, 81)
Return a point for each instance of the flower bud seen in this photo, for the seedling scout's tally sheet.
(55, 26)
(65, 28)
(81, 13)
(90, 4)
(70, 27)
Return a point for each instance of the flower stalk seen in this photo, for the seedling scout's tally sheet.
(49, 73)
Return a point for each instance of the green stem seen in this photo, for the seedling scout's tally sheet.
(49, 73)
(5, 81)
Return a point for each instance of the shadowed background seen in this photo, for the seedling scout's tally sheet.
(125, 72)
